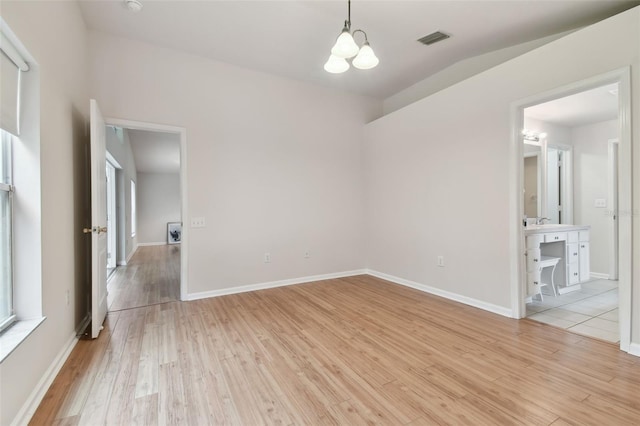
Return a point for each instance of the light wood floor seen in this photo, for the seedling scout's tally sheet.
(347, 351)
(152, 276)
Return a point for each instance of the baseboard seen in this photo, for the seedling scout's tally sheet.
(599, 276)
(634, 349)
(272, 284)
(159, 243)
(500, 310)
(31, 404)
(131, 254)
(80, 329)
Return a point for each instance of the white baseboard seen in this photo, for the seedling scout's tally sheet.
(500, 310)
(31, 404)
(272, 284)
(159, 243)
(599, 276)
(131, 254)
(634, 349)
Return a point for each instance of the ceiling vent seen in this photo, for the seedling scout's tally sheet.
(433, 38)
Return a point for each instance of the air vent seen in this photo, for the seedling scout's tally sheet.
(433, 38)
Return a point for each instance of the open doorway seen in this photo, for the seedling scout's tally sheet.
(149, 197)
(571, 182)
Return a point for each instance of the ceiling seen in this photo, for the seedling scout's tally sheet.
(293, 38)
(591, 106)
(155, 152)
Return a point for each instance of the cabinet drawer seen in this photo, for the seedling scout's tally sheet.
(574, 273)
(573, 252)
(533, 282)
(533, 241)
(573, 237)
(584, 236)
(555, 236)
(533, 259)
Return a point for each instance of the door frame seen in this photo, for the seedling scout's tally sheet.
(613, 208)
(182, 132)
(621, 76)
(112, 215)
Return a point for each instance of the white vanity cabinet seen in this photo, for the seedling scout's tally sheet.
(569, 242)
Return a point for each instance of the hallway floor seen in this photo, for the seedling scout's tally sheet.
(152, 276)
(591, 311)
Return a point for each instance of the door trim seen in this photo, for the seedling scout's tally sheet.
(182, 132)
(621, 76)
(612, 196)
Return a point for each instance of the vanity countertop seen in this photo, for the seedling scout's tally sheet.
(541, 229)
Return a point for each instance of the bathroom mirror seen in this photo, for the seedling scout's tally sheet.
(532, 179)
(547, 180)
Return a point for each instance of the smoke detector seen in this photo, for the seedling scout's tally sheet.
(133, 5)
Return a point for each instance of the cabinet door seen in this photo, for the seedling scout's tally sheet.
(573, 253)
(585, 269)
(574, 273)
(533, 259)
(533, 282)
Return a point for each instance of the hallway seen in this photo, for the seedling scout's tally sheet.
(152, 276)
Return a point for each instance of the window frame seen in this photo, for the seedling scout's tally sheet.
(6, 141)
(134, 209)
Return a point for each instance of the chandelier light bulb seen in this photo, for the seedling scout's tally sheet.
(336, 65)
(345, 46)
(366, 59)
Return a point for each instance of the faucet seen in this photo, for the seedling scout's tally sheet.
(540, 220)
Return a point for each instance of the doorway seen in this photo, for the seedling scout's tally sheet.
(150, 271)
(584, 175)
(112, 222)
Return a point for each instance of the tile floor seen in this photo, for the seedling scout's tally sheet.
(591, 311)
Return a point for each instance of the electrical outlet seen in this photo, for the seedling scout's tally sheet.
(440, 261)
(307, 254)
(600, 203)
(197, 222)
(267, 258)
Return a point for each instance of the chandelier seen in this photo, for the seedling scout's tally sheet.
(346, 48)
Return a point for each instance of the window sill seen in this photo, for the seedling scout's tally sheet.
(11, 338)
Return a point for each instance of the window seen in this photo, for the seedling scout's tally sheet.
(6, 235)
(133, 208)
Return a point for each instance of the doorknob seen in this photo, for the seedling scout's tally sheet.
(97, 229)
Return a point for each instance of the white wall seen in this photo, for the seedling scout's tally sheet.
(158, 203)
(121, 152)
(59, 47)
(427, 163)
(590, 172)
(273, 165)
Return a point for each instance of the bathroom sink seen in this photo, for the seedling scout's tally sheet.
(549, 226)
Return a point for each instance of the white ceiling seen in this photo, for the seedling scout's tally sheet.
(591, 106)
(155, 152)
(293, 38)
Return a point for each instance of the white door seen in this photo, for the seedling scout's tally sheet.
(98, 220)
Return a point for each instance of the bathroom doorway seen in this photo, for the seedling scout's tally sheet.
(576, 168)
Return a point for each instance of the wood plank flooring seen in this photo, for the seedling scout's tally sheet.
(347, 351)
(152, 276)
